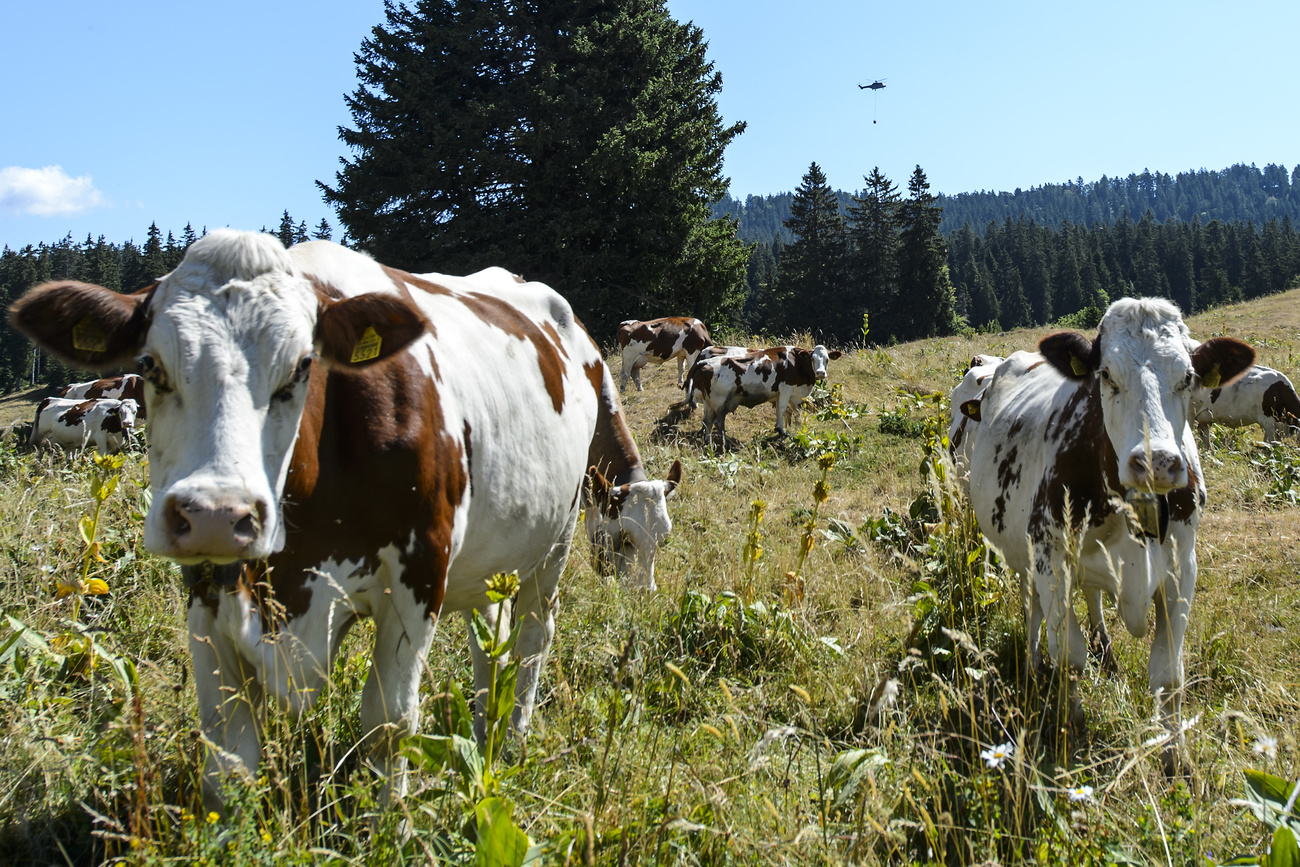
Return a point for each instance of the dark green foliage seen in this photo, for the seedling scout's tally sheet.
(812, 276)
(926, 300)
(577, 143)
(874, 259)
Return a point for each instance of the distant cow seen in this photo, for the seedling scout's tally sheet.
(783, 375)
(73, 423)
(327, 443)
(963, 407)
(624, 511)
(655, 341)
(126, 386)
(1262, 396)
(1065, 438)
(711, 351)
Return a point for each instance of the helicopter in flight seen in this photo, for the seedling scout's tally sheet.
(878, 84)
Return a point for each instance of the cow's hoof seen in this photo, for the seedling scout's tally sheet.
(1175, 761)
(1102, 650)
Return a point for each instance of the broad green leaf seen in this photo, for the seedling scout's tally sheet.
(1284, 852)
(1267, 797)
(500, 843)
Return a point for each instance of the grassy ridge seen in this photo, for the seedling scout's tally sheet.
(740, 715)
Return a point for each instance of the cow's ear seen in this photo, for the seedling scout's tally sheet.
(673, 479)
(1074, 355)
(834, 354)
(356, 332)
(1220, 360)
(971, 408)
(87, 325)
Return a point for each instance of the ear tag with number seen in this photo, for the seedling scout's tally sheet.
(367, 347)
(89, 337)
(1213, 378)
(1078, 366)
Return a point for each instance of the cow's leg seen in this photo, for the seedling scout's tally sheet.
(681, 370)
(1165, 671)
(1066, 644)
(390, 700)
(227, 696)
(1099, 643)
(782, 409)
(536, 605)
(636, 372)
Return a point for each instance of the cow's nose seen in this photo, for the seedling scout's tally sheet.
(1165, 469)
(213, 528)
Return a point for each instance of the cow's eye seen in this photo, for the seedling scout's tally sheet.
(1187, 381)
(300, 375)
(152, 371)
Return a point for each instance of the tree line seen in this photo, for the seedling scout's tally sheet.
(121, 267)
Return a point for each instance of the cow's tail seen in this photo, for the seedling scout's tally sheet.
(36, 422)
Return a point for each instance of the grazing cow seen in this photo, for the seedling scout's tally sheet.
(332, 438)
(122, 387)
(711, 351)
(72, 423)
(783, 375)
(658, 340)
(964, 409)
(1065, 438)
(625, 512)
(1262, 396)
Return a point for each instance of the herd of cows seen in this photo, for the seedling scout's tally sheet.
(358, 441)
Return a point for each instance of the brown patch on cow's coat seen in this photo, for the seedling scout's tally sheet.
(1281, 402)
(509, 319)
(372, 427)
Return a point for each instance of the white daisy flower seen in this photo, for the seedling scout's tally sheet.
(1265, 746)
(995, 756)
(1080, 794)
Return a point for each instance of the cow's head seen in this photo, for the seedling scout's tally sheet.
(226, 343)
(813, 362)
(1146, 366)
(125, 415)
(627, 523)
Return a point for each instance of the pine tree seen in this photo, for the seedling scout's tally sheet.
(811, 276)
(577, 142)
(154, 263)
(926, 301)
(286, 232)
(323, 231)
(873, 262)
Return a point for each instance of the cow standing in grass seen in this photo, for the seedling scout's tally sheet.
(1262, 396)
(782, 375)
(656, 341)
(334, 439)
(1085, 473)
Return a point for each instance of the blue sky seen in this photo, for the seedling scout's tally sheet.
(117, 115)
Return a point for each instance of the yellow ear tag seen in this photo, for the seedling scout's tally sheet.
(1213, 378)
(89, 337)
(1078, 366)
(367, 347)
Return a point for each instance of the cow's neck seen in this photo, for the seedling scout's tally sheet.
(612, 450)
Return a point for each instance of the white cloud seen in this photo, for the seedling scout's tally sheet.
(47, 192)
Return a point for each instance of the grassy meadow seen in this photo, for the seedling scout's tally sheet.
(831, 672)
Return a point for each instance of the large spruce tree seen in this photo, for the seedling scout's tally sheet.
(811, 275)
(925, 306)
(576, 142)
(873, 263)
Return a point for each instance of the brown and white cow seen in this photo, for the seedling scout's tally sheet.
(963, 409)
(332, 439)
(1066, 437)
(711, 351)
(74, 423)
(656, 341)
(782, 375)
(1262, 396)
(625, 511)
(126, 386)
